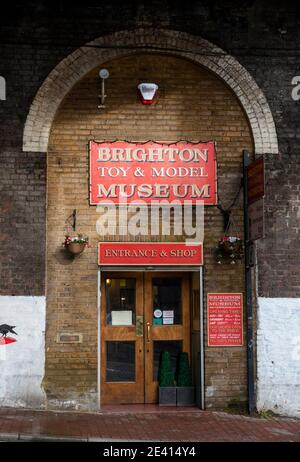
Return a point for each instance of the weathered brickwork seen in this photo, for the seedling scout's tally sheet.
(278, 254)
(36, 38)
(193, 105)
(252, 46)
(22, 223)
(76, 65)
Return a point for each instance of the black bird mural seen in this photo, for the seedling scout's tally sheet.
(5, 328)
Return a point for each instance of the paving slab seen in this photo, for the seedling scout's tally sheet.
(160, 425)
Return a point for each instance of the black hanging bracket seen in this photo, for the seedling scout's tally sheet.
(226, 217)
(227, 212)
(71, 220)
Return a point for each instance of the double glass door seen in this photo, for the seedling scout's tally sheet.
(142, 315)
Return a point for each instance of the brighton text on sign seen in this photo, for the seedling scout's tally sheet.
(149, 253)
(122, 171)
(225, 319)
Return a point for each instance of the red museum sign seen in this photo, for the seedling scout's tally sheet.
(121, 171)
(225, 319)
(149, 254)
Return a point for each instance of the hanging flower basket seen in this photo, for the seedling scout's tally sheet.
(229, 249)
(76, 244)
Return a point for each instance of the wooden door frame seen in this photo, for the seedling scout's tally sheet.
(199, 270)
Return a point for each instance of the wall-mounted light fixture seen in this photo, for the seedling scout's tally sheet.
(103, 74)
(147, 92)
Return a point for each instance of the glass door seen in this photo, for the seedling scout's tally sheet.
(122, 343)
(167, 324)
(142, 315)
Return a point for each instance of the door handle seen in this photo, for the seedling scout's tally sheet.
(148, 331)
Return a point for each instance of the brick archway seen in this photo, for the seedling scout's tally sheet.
(71, 69)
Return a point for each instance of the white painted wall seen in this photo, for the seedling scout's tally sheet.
(278, 355)
(22, 363)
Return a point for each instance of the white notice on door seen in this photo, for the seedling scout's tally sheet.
(168, 320)
(121, 318)
(168, 314)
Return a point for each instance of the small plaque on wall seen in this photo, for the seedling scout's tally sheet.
(66, 337)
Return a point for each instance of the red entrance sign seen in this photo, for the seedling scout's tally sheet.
(126, 172)
(225, 319)
(149, 254)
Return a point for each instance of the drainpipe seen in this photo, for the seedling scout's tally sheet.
(248, 285)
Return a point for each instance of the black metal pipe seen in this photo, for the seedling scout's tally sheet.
(248, 284)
